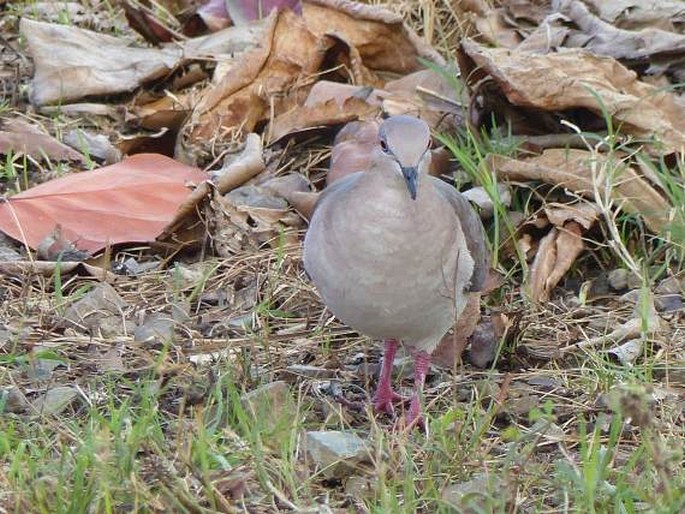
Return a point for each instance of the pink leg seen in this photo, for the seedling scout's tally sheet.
(382, 401)
(422, 361)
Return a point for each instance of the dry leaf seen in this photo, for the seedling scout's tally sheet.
(244, 11)
(48, 269)
(584, 213)
(18, 137)
(383, 39)
(542, 266)
(237, 170)
(250, 217)
(572, 79)
(318, 116)
(637, 326)
(602, 38)
(451, 346)
(71, 63)
(570, 245)
(573, 170)
(131, 201)
(636, 14)
(288, 52)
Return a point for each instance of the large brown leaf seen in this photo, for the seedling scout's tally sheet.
(576, 169)
(131, 201)
(573, 79)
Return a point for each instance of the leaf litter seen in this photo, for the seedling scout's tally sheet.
(258, 104)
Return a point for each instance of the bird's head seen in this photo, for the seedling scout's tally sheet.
(405, 144)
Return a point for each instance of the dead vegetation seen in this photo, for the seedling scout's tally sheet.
(192, 368)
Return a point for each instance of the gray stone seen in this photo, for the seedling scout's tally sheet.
(480, 494)
(98, 312)
(55, 400)
(668, 302)
(12, 400)
(358, 486)
(156, 330)
(41, 369)
(272, 408)
(297, 371)
(336, 454)
(620, 279)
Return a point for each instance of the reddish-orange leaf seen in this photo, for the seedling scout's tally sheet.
(131, 201)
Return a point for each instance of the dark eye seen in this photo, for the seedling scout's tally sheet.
(384, 146)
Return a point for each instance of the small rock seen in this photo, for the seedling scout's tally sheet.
(543, 382)
(488, 390)
(480, 494)
(361, 486)
(12, 400)
(55, 400)
(95, 145)
(98, 312)
(671, 285)
(132, 267)
(337, 454)
(632, 296)
(156, 330)
(545, 431)
(41, 369)
(620, 279)
(244, 322)
(521, 406)
(482, 199)
(297, 371)
(627, 353)
(189, 276)
(8, 252)
(271, 405)
(484, 343)
(668, 302)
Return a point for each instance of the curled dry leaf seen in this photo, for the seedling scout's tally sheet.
(248, 218)
(131, 201)
(245, 11)
(18, 137)
(328, 113)
(583, 213)
(645, 321)
(451, 346)
(628, 352)
(574, 79)
(328, 103)
(241, 169)
(602, 38)
(542, 266)
(481, 198)
(243, 98)
(71, 63)
(384, 40)
(577, 169)
(49, 268)
(557, 252)
(637, 14)
(237, 170)
(275, 77)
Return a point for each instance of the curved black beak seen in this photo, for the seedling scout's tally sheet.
(411, 175)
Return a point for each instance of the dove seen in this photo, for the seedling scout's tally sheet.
(393, 252)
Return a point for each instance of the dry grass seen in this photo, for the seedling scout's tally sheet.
(155, 428)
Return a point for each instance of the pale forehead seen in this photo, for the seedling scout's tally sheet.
(405, 129)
